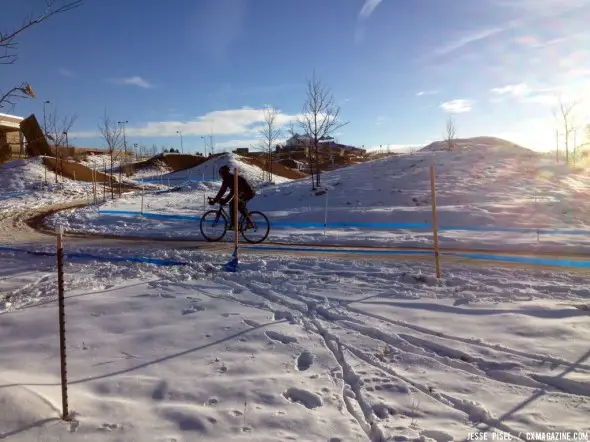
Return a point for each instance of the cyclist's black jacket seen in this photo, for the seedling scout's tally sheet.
(245, 191)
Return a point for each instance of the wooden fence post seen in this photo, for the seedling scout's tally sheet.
(235, 209)
(62, 323)
(434, 221)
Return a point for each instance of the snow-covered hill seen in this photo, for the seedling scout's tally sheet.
(487, 143)
(485, 184)
(208, 171)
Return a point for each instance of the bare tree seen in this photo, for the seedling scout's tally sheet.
(57, 129)
(450, 133)
(18, 92)
(320, 118)
(153, 150)
(9, 45)
(270, 134)
(112, 133)
(564, 113)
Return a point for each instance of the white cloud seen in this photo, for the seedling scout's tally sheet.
(136, 80)
(467, 39)
(66, 73)
(422, 93)
(516, 90)
(368, 8)
(457, 106)
(242, 121)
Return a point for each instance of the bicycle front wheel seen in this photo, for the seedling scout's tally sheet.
(213, 225)
(258, 231)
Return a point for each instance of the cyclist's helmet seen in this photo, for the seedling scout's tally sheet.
(223, 170)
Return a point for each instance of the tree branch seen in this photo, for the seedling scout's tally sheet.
(50, 10)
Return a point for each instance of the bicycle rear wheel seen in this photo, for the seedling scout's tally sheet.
(259, 230)
(213, 225)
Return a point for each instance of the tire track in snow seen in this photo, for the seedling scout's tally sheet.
(312, 311)
(470, 341)
(411, 345)
(475, 412)
(350, 380)
(349, 377)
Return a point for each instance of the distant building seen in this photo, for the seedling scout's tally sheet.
(242, 151)
(11, 134)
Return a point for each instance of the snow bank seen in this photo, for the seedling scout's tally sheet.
(26, 183)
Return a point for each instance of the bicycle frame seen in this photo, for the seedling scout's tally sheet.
(222, 211)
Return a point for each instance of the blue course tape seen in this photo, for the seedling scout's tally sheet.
(12, 194)
(156, 261)
(553, 262)
(301, 224)
(164, 179)
(347, 251)
(150, 215)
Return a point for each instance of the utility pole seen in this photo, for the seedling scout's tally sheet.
(62, 157)
(179, 132)
(557, 146)
(204, 145)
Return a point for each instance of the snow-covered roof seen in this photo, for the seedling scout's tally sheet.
(11, 121)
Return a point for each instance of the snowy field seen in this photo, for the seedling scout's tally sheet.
(490, 195)
(291, 349)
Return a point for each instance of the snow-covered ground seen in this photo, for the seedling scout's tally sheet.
(23, 184)
(290, 349)
(487, 186)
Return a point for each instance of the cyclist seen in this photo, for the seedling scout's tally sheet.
(245, 193)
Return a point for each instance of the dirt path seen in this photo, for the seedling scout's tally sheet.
(26, 228)
(19, 227)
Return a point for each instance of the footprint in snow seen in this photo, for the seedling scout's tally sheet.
(161, 391)
(306, 398)
(192, 309)
(74, 426)
(108, 427)
(305, 360)
(438, 436)
(279, 337)
(251, 323)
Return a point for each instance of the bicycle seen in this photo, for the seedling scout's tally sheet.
(245, 224)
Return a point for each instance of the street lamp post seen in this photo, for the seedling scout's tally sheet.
(45, 134)
(44, 117)
(181, 146)
(123, 123)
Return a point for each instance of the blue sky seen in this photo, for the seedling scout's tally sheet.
(398, 68)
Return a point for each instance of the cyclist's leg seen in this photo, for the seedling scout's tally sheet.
(231, 206)
(242, 207)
